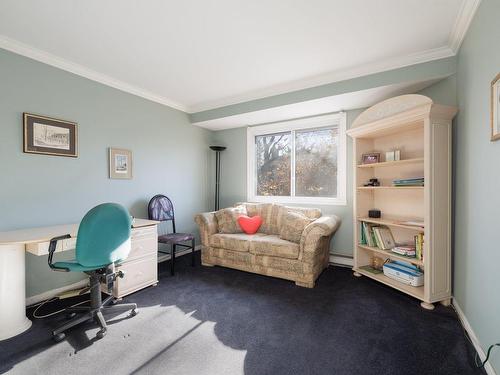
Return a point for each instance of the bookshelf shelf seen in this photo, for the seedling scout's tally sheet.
(392, 223)
(392, 255)
(392, 163)
(421, 130)
(417, 292)
(390, 187)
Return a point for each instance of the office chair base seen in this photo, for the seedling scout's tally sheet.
(94, 312)
(59, 337)
(96, 315)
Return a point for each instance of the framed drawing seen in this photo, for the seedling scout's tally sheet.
(495, 103)
(49, 136)
(120, 163)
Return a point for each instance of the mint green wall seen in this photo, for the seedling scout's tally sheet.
(234, 180)
(169, 156)
(477, 180)
(443, 92)
(419, 72)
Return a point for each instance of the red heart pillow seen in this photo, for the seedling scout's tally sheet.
(249, 225)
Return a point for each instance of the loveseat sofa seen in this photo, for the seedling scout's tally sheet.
(265, 252)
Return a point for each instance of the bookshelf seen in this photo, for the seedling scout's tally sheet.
(421, 130)
(394, 163)
(390, 187)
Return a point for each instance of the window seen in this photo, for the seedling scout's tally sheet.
(298, 161)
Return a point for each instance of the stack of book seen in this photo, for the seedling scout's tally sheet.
(416, 181)
(419, 246)
(376, 236)
(406, 250)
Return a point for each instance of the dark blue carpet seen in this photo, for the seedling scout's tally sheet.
(222, 321)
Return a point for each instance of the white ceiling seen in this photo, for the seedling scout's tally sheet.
(198, 54)
(336, 103)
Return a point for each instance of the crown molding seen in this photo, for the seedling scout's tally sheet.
(69, 66)
(464, 18)
(331, 77)
(465, 15)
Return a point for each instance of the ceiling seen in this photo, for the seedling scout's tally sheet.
(196, 55)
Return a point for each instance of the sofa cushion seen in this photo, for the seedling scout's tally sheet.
(274, 246)
(227, 219)
(269, 214)
(293, 225)
(235, 242)
(311, 213)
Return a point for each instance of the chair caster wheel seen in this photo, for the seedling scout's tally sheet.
(70, 315)
(59, 337)
(134, 312)
(101, 333)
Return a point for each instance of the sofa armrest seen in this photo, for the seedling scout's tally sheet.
(207, 224)
(316, 236)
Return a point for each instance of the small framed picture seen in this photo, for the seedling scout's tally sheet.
(371, 158)
(495, 102)
(120, 163)
(49, 136)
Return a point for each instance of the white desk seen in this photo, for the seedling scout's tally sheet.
(13, 246)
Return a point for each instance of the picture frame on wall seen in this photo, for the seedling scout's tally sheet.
(495, 104)
(120, 163)
(49, 136)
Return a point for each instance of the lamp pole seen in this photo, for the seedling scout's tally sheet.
(217, 150)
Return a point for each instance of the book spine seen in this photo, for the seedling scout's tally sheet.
(419, 246)
(378, 238)
(363, 237)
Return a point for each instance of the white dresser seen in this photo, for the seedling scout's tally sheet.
(141, 267)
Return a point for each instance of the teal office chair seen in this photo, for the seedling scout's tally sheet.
(103, 240)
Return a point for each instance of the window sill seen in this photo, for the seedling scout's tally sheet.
(299, 200)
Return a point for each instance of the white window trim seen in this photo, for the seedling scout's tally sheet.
(338, 119)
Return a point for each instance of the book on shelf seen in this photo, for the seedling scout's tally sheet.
(416, 181)
(419, 246)
(405, 250)
(376, 236)
(370, 269)
(385, 241)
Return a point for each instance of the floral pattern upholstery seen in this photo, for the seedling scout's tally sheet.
(227, 219)
(293, 225)
(264, 252)
(236, 241)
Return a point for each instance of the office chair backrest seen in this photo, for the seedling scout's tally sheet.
(160, 208)
(103, 235)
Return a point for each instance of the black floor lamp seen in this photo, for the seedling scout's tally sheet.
(217, 150)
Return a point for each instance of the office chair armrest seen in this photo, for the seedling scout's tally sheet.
(52, 249)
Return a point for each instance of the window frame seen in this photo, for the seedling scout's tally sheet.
(311, 123)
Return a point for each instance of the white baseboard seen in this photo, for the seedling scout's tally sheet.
(54, 292)
(475, 341)
(341, 260)
(178, 253)
(80, 284)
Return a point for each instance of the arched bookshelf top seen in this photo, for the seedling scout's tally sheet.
(390, 107)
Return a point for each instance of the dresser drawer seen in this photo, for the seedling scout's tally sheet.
(144, 232)
(42, 248)
(143, 244)
(139, 274)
